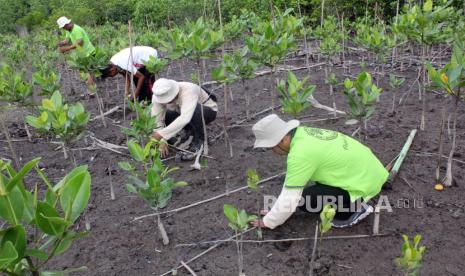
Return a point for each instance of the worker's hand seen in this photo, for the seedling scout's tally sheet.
(163, 148)
(157, 136)
(258, 223)
(263, 212)
(62, 50)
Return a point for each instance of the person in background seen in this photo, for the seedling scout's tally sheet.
(76, 39)
(343, 172)
(177, 106)
(130, 61)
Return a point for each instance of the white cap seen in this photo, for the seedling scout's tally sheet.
(62, 21)
(270, 130)
(164, 90)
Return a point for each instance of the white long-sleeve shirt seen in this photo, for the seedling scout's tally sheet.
(140, 54)
(284, 207)
(189, 95)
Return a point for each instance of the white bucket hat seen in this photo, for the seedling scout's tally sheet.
(164, 90)
(270, 130)
(62, 21)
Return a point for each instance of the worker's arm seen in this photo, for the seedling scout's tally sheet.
(65, 49)
(140, 82)
(127, 83)
(284, 207)
(63, 43)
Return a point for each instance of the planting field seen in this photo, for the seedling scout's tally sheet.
(120, 245)
(89, 187)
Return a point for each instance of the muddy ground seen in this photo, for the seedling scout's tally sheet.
(118, 245)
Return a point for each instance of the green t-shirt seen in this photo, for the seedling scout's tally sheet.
(333, 159)
(78, 33)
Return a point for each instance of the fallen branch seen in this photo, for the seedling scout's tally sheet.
(285, 240)
(111, 111)
(205, 252)
(420, 153)
(207, 200)
(188, 268)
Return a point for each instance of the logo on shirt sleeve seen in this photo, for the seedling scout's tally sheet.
(322, 134)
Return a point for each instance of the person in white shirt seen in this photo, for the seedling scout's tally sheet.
(126, 64)
(177, 106)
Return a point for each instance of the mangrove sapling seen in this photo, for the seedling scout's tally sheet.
(239, 222)
(330, 45)
(61, 120)
(47, 80)
(252, 182)
(412, 255)
(326, 217)
(426, 25)
(270, 43)
(294, 94)
(15, 90)
(451, 78)
(155, 65)
(143, 124)
(89, 67)
(150, 179)
(361, 95)
(395, 83)
(199, 44)
(37, 230)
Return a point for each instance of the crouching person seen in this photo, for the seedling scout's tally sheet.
(177, 106)
(322, 166)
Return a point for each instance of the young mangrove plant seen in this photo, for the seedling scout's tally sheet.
(361, 95)
(395, 83)
(37, 230)
(143, 124)
(47, 80)
(239, 222)
(326, 217)
(294, 94)
(412, 255)
(58, 119)
(425, 25)
(155, 65)
(451, 79)
(150, 179)
(252, 182)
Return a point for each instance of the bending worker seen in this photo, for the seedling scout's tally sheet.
(345, 173)
(126, 64)
(177, 106)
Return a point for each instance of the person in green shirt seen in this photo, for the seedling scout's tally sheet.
(323, 166)
(76, 39)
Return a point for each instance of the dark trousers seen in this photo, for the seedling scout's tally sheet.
(317, 195)
(195, 126)
(145, 93)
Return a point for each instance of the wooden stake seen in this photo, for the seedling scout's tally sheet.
(376, 221)
(402, 155)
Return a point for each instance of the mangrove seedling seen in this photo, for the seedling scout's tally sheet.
(59, 119)
(395, 83)
(361, 95)
(239, 222)
(155, 65)
(47, 80)
(326, 217)
(412, 255)
(451, 78)
(150, 179)
(252, 182)
(37, 230)
(294, 94)
(143, 124)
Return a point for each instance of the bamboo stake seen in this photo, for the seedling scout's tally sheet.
(402, 155)
(315, 243)
(376, 221)
(207, 200)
